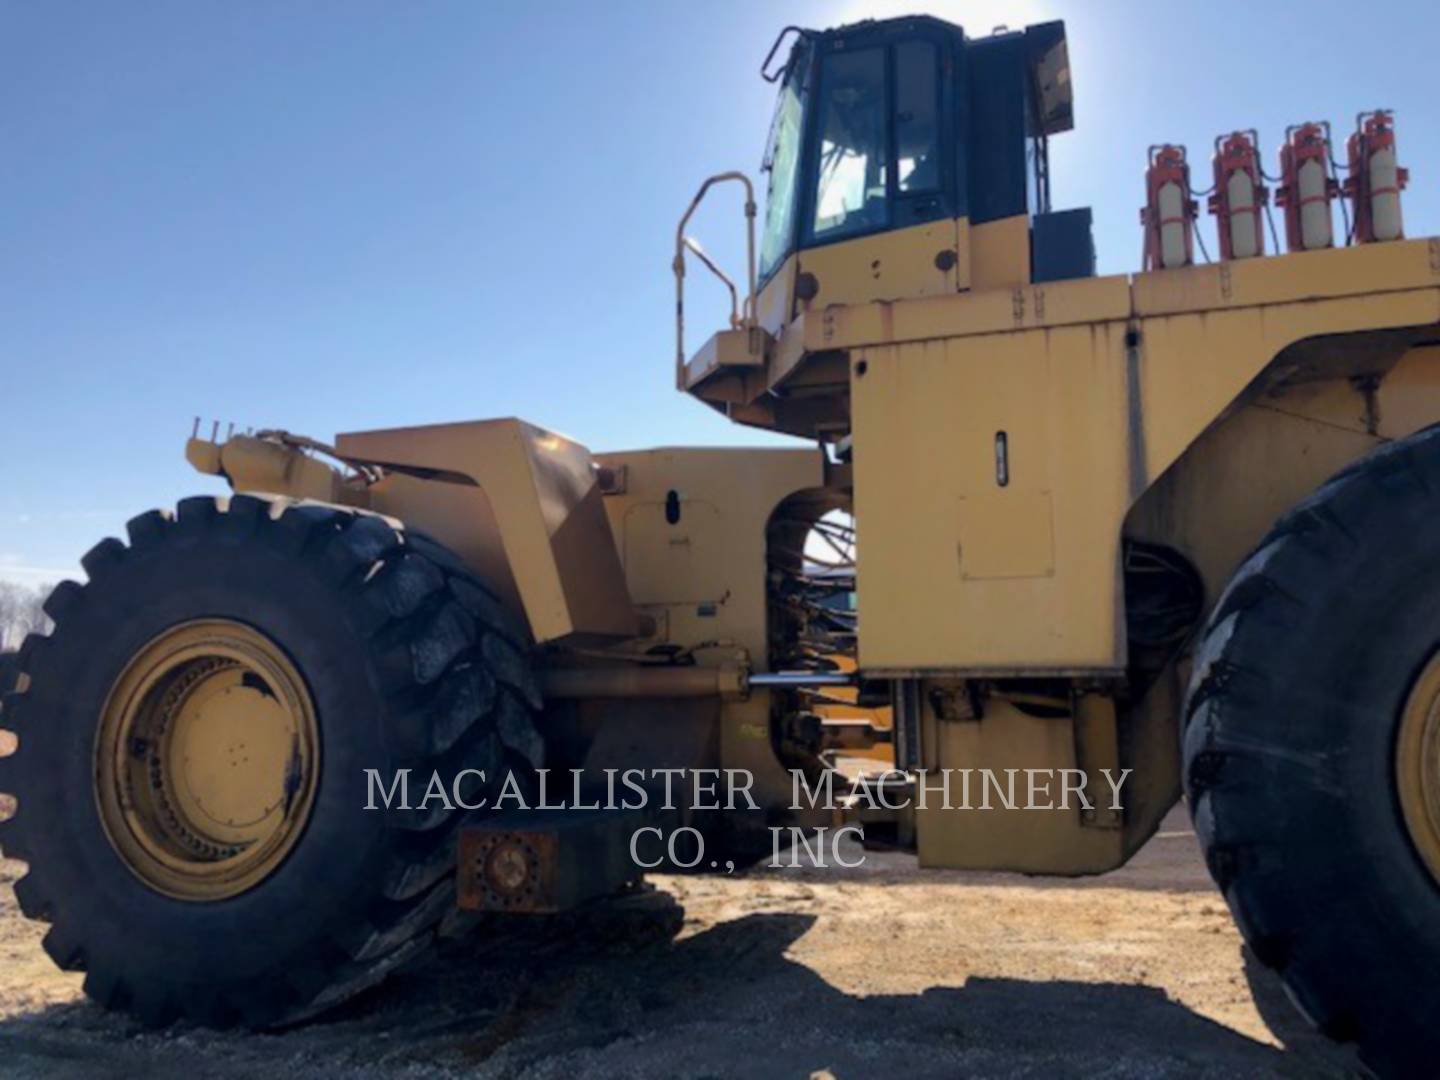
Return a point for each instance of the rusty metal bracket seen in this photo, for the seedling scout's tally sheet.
(541, 863)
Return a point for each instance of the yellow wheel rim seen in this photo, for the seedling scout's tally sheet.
(206, 760)
(1417, 764)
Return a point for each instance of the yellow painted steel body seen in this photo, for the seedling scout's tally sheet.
(938, 260)
(922, 260)
(1100, 385)
(702, 578)
(582, 548)
(1188, 408)
(206, 760)
(522, 504)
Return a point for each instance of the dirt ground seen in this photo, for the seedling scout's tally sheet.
(879, 971)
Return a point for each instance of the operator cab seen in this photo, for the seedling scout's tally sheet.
(906, 160)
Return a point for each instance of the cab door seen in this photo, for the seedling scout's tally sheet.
(881, 207)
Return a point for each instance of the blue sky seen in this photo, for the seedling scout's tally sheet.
(331, 216)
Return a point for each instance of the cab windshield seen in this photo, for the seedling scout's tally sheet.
(782, 162)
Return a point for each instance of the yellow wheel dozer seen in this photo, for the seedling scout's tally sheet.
(1123, 536)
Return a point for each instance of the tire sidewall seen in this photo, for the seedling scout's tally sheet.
(1303, 814)
(325, 879)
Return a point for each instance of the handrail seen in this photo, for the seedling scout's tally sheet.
(682, 242)
(774, 76)
(704, 257)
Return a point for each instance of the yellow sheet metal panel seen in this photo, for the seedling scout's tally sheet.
(1238, 477)
(703, 576)
(1191, 367)
(1363, 271)
(461, 518)
(262, 465)
(1051, 841)
(1064, 839)
(730, 367)
(857, 309)
(791, 348)
(773, 307)
(1000, 253)
(926, 417)
(942, 315)
(680, 564)
(1063, 303)
(542, 491)
(1232, 484)
(1370, 271)
(1408, 397)
(1093, 415)
(1368, 268)
(923, 260)
(1006, 534)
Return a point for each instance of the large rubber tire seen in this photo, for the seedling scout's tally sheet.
(1289, 746)
(411, 663)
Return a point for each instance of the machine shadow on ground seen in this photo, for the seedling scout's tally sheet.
(617, 990)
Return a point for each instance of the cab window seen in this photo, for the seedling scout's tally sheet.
(782, 160)
(851, 190)
(917, 117)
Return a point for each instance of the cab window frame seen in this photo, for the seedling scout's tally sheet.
(800, 76)
(884, 146)
(903, 208)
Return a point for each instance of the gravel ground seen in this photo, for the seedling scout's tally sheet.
(880, 971)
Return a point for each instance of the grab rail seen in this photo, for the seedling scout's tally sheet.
(704, 257)
(746, 316)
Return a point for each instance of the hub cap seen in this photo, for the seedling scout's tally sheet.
(1417, 764)
(206, 760)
